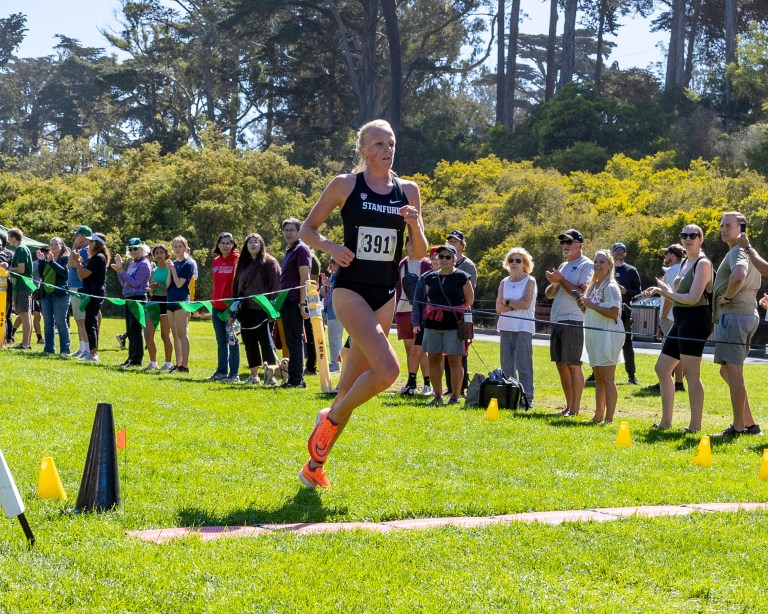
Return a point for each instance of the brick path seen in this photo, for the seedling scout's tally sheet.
(597, 515)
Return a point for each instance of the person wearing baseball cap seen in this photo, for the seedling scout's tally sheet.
(567, 339)
(134, 278)
(74, 283)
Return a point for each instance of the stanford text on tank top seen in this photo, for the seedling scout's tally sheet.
(373, 232)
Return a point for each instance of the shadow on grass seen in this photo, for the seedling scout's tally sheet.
(304, 506)
(759, 447)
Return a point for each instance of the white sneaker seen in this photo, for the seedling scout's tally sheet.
(87, 356)
(235, 379)
(253, 380)
(407, 390)
(426, 391)
(166, 366)
(152, 366)
(77, 354)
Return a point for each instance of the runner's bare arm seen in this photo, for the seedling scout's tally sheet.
(334, 195)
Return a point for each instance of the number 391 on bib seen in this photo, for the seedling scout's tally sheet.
(376, 244)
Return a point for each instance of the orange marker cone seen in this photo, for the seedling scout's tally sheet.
(703, 456)
(623, 439)
(49, 485)
(492, 413)
(764, 466)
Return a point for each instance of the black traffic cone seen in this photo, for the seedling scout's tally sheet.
(100, 486)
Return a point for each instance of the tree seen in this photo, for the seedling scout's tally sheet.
(511, 81)
(569, 43)
(12, 31)
(551, 70)
(676, 51)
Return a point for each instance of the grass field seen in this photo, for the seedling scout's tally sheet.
(203, 453)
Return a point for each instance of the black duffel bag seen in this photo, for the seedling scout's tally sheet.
(507, 391)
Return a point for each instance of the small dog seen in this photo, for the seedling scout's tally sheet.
(271, 372)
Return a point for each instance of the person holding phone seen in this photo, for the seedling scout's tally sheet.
(603, 333)
(684, 345)
(735, 316)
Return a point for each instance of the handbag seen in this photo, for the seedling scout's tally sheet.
(466, 330)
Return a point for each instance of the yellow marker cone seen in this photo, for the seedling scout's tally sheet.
(623, 439)
(492, 413)
(49, 485)
(703, 456)
(764, 466)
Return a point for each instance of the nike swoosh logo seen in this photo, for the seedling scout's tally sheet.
(392, 291)
(394, 202)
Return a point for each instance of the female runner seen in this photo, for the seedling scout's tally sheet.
(375, 209)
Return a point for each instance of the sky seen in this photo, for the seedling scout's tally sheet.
(82, 19)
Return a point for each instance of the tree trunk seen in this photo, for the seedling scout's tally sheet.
(368, 62)
(675, 57)
(600, 36)
(500, 75)
(511, 78)
(693, 32)
(731, 25)
(389, 9)
(549, 89)
(569, 43)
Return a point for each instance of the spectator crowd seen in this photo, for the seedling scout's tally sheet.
(591, 313)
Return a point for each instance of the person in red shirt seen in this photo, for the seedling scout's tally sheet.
(223, 269)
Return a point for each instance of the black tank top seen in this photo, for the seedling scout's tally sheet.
(373, 231)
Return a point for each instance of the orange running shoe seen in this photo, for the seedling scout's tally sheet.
(319, 442)
(312, 478)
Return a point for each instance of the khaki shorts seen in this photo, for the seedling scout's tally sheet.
(75, 301)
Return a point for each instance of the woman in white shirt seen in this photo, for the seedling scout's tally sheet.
(603, 333)
(516, 306)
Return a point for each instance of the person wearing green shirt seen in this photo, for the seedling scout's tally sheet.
(22, 294)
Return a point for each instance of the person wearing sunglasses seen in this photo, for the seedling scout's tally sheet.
(567, 338)
(516, 306)
(448, 293)
(690, 294)
(135, 282)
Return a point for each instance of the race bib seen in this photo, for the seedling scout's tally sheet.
(376, 244)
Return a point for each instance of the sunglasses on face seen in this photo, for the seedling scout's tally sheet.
(444, 257)
(566, 241)
(133, 249)
(515, 260)
(689, 235)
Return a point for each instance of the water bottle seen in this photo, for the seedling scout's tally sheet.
(232, 334)
(468, 316)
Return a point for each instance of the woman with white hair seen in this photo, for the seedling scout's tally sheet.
(516, 306)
